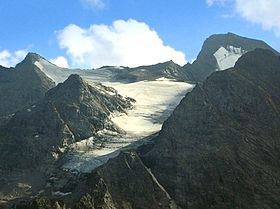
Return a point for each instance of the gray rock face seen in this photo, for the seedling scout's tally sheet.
(206, 63)
(127, 190)
(70, 112)
(220, 148)
(22, 86)
(122, 183)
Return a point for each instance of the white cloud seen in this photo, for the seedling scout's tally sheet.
(97, 4)
(124, 43)
(60, 62)
(211, 2)
(263, 12)
(8, 59)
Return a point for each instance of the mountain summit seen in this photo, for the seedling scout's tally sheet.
(23, 85)
(220, 52)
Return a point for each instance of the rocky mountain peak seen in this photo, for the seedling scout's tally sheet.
(220, 52)
(70, 112)
(32, 57)
(73, 88)
(75, 80)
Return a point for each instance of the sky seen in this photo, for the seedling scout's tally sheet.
(95, 33)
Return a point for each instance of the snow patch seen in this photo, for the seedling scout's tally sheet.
(61, 194)
(227, 57)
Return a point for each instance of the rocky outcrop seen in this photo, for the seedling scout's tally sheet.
(131, 184)
(122, 183)
(22, 86)
(206, 62)
(70, 112)
(220, 148)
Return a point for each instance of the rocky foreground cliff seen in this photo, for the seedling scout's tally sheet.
(220, 148)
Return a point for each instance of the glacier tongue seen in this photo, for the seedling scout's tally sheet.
(227, 57)
(155, 100)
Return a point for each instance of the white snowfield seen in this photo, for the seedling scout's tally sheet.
(227, 57)
(155, 101)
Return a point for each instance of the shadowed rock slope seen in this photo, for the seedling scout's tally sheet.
(70, 112)
(122, 183)
(22, 86)
(221, 146)
(206, 63)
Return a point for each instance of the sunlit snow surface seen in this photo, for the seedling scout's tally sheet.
(227, 57)
(155, 100)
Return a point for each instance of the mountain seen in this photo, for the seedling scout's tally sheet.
(167, 69)
(220, 52)
(22, 86)
(220, 148)
(70, 112)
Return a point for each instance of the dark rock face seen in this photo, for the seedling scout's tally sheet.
(220, 148)
(70, 112)
(127, 190)
(122, 183)
(206, 63)
(22, 86)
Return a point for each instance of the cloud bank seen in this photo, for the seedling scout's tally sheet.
(263, 12)
(211, 2)
(96, 4)
(60, 62)
(124, 43)
(8, 59)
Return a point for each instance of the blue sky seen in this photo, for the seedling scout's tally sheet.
(92, 33)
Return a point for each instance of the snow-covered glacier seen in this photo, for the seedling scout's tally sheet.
(155, 100)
